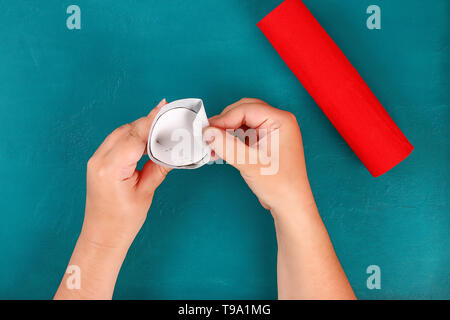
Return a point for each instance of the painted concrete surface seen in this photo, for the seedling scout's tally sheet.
(63, 91)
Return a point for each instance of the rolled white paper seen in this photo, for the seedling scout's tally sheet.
(175, 139)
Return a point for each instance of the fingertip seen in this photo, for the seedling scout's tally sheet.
(216, 121)
(155, 110)
(161, 103)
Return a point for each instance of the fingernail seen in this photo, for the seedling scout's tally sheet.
(209, 134)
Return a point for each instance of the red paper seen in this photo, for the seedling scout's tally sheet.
(336, 86)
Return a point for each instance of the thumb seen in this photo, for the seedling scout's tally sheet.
(231, 149)
(151, 176)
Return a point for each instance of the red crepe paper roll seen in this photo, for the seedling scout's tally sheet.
(336, 86)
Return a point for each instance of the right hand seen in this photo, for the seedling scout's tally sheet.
(285, 187)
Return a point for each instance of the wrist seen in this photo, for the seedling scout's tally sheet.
(97, 268)
(93, 248)
(109, 230)
(100, 243)
(295, 205)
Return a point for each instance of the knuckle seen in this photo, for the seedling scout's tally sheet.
(135, 127)
(127, 127)
(124, 127)
(96, 168)
(102, 171)
(91, 163)
(120, 130)
(290, 116)
(252, 100)
(132, 133)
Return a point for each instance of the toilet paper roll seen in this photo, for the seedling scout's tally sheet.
(175, 139)
(336, 86)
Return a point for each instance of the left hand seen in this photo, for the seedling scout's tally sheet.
(118, 196)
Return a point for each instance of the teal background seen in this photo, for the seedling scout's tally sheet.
(62, 92)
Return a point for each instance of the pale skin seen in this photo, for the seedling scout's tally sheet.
(119, 197)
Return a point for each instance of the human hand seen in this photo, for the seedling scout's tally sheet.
(308, 267)
(119, 196)
(278, 136)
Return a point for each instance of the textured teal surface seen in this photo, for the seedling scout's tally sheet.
(63, 91)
